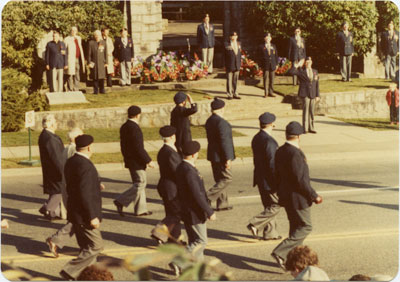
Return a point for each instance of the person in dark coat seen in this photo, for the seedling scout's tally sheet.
(297, 50)
(192, 195)
(390, 48)
(268, 59)
(294, 191)
(168, 160)
(206, 41)
(392, 99)
(345, 48)
(56, 62)
(264, 148)
(220, 152)
(136, 159)
(97, 60)
(52, 157)
(180, 118)
(233, 61)
(125, 52)
(308, 92)
(83, 207)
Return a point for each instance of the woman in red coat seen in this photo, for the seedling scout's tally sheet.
(392, 98)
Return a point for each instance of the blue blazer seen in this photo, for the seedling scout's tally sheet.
(268, 61)
(56, 55)
(204, 40)
(232, 61)
(124, 53)
(220, 142)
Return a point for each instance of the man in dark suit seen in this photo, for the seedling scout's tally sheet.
(390, 48)
(268, 59)
(297, 50)
(83, 206)
(125, 52)
(52, 157)
(168, 160)
(308, 91)
(136, 159)
(294, 191)
(56, 62)
(206, 41)
(97, 59)
(220, 152)
(192, 195)
(233, 61)
(264, 147)
(180, 118)
(345, 48)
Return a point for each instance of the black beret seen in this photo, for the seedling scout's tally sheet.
(134, 111)
(294, 128)
(267, 118)
(83, 140)
(179, 97)
(267, 34)
(167, 131)
(308, 58)
(217, 104)
(190, 148)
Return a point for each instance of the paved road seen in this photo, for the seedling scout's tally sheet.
(355, 229)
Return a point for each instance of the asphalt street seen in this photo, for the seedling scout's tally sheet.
(355, 229)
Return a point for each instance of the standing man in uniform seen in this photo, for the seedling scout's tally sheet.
(97, 59)
(136, 159)
(110, 59)
(264, 148)
(52, 157)
(206, 41)
(180, 118)
(390, 48)
(124, 51)
(76, 59)
(294, 191)
(56, 62)
(221, 153)
(233, 61)
(83, 207)
(345, 48)
(268, 58)
(297, 50)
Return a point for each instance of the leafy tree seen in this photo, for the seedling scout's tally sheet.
(388, 11)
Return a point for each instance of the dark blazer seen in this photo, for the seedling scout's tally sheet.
(124, 53)
(98, 56)
(132, 146)
(268, 61)
(390, 45)
(344, 44)
(83, 189)
(180, 120)
(53, 159)
(232, 61)
(220, 142)
(292, 178)
(192, 194)
(264, 148)
(168, 160)
(56, 55)
(307, 88)
(296, 53)
(205, 40)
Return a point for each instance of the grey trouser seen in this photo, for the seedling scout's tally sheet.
(268, 80)
(308, 113)
(208, 56)
(345, 67)
(299, 227)
(266, 220)
(53, 205)
(222, 177)
(137, 193)
(74, 79)
(57, 80)
(390, 67)
(63, 235)
(90, 243)
(197, 239)
(231, 83)
(125, 72)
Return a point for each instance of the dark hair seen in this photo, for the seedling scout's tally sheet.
(232, 33)
(104, 28)
(206, 15)
(56, 32)
(300, 257)
(122, 29)
(93, 273)
(360, 277)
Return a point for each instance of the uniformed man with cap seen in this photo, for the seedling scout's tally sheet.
(168, 160)
(220, 152)
(294, 191)
(264, 148)
(345, 48)
(136, 159)
(83, 206)
(180, 118)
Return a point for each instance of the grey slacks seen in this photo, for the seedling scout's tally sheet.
(268, 80)
(345, 67)
(63, 235)
(308, 113)
(231, 83)
(390, 67)
(125, 73)
(208, 56)
(222, 177)
(57, 80)
(53, 205)
(74, 79)
(197, 239)
(137, 193)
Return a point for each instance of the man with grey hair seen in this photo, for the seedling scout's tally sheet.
(52, 157)
(75, 59)
(97, 59)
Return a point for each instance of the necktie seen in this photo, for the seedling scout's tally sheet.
(309, 73)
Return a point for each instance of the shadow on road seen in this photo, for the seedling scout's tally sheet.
(353, 184)
(385, 206)
(22, 198)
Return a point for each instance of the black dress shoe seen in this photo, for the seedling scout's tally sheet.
(119, 208)
(159, 241)
(312, 131)
(253, 230)
(275, 238)
(144, 214)
(52, 247)
(224, 209)
(279, 261)
(271, 95)
(230, 98)
(237, 97)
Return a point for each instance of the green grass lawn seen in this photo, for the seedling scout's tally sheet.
(371, 123)
(102, 158)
